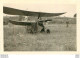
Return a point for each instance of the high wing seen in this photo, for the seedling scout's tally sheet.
(12, 11)
(21, 23)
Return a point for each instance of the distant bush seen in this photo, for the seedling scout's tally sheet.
(5, 21)
(62, 20)
(55, 20)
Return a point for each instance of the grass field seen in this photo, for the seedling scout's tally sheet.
(61, 38)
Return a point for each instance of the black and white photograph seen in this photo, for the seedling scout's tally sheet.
(39, 27)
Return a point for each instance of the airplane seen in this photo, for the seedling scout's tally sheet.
(32, 27)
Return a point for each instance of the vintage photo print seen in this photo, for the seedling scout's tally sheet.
(39, 27)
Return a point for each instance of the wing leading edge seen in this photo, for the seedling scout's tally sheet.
(12, 11)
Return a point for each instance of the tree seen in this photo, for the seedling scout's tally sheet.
(75, 15)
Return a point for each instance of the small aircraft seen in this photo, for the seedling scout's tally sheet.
(32, 27)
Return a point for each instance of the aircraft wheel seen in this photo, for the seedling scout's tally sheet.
(48, 31)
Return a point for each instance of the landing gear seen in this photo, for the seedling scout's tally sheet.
(42, 30)
(48, 31)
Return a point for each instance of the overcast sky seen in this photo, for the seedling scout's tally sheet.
(45, 7)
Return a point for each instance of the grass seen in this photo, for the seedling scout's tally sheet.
(61, 38)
